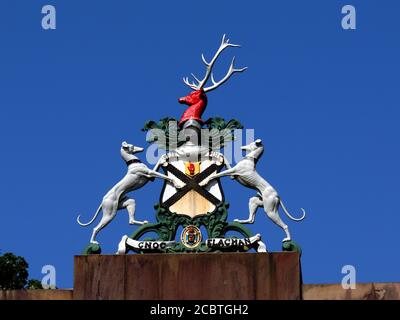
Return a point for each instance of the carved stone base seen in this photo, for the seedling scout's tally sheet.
(226, 276)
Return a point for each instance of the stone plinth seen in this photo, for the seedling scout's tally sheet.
(224, 276)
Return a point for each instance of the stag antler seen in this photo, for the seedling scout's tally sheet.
(209, 65)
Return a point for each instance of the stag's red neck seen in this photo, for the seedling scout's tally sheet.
(197, 102)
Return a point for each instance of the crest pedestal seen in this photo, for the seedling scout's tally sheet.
(203, 276)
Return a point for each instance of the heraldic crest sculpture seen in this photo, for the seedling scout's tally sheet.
(192, 197)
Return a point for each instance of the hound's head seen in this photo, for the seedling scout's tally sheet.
(130, 148)
(253, 146)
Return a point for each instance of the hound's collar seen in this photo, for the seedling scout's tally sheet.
(132, 161)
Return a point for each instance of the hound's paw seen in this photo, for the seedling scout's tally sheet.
(163, 160)
(94, 242)
(287, 239)
(204, 183)
(178, 185)
(243, 221)
(137, 222)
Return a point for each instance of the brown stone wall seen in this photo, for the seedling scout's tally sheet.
(205, 276)
(36, 295)
(363, 291)
(227, 276)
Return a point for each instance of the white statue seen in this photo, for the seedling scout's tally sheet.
(267, 197)
(137, 176)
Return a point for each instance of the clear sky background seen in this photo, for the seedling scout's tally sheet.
(324, 100)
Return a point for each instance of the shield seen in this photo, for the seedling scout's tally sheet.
(192, 200)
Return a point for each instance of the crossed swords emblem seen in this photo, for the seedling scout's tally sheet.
(192, 183)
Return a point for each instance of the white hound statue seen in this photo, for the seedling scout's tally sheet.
(267, 197)
(137, 176)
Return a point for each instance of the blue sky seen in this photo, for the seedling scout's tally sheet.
(324, 100)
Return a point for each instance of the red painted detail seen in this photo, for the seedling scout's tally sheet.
(191, 168)
(197, 102)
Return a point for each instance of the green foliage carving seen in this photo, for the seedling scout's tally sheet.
(168, 224)
(291, 246)
(220, 124)
(91, 248)
(165, 133)
(168, 135)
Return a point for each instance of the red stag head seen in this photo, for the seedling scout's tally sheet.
(197, 100)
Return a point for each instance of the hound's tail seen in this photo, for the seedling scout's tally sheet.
(91, 221)
(290, 216)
